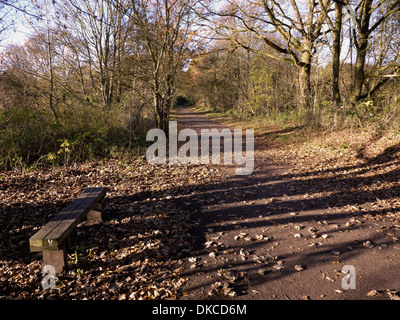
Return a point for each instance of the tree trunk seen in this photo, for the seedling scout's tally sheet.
(364, 32)
(51, 80)
(161, 110)
(359, 72)
(336, 49)
(305, 81)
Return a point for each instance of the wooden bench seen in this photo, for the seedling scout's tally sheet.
(54, 238)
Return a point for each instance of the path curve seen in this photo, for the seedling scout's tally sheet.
(265, 236)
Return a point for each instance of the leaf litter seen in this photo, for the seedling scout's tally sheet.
(136, 253)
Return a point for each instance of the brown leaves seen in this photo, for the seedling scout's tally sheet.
(135, 253)
(393, 294)
(229, 283)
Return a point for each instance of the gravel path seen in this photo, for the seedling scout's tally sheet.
(272, 235)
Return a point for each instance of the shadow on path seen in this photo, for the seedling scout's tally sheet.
(279, 211)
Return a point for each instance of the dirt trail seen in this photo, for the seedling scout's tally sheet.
(268, 236)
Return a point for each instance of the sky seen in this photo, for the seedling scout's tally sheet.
(19, 31)
(16, 35)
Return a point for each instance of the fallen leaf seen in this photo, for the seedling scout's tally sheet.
(299, 267)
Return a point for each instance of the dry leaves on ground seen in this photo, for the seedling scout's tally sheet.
(135, 253)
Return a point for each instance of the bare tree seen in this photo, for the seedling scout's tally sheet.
(40, 16)
(335, 25)
(164, 28)
(370, 15)
(99, 29)
(290, 29)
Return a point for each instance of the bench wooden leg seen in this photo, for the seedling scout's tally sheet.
(57, 259)
(96, 214)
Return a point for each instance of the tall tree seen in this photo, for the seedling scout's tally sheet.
(99, 29)
(290, 29)
(335, 25)
(370, 15)
(41, 19)
(165, 29)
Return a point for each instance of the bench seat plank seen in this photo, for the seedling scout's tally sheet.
(37, 240)
(57, 236)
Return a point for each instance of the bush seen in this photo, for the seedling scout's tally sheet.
(30, 136)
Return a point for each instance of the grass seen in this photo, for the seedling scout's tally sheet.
(347, 141)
